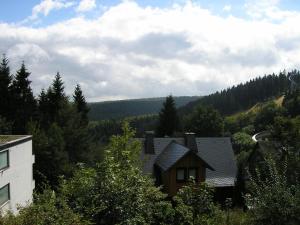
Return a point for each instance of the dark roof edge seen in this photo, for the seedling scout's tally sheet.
(16, 142)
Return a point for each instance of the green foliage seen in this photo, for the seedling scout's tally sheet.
(292, 103)
(121, 109)
(5, 126)
(205, 122)
(237, 122)
(287, 131)
(244, 96)
(242, 142)
(168, 120)
(5, 82)
(273, 201)
(81, 105)
(51, 159)
(266, 115)
(48, 209)
(24, 103)
(116, 192)
(194, 205)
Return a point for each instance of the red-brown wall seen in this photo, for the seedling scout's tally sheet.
(170, 185)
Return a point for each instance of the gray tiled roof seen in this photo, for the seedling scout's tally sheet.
(170, 155)
(217, 152)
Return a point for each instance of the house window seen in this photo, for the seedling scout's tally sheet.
(3, 159)
(192, 173)
(180, 174)
(4, 194)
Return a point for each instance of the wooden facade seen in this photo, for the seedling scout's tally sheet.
(168, 179)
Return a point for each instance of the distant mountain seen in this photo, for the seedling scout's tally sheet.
(134, 107)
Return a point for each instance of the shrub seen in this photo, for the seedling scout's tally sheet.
(273, 201)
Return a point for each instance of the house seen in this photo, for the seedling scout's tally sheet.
(16, 177)
(173, 161)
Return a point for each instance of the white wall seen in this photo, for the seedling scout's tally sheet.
(19, 175)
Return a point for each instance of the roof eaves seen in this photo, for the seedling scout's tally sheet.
(14, 142)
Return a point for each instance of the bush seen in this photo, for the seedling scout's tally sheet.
(273, 201)
(48, 208)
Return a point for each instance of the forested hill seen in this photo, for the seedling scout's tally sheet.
(134, 107)
(243, 96)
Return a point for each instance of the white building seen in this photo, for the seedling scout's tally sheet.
(16, 172)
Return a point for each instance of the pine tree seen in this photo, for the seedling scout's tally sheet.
(80, 104)
(168, 119)
(56, 98)
(5, 82)
(44, 108)
(24, 104)
(58, 89)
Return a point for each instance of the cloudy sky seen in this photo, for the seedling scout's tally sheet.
(147, 48)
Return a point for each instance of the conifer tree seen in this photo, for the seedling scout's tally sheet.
(5, 82)
(44, 108)
(80, 104)
(58, 88)
(24, 104)
(168, 119)
(56, 98)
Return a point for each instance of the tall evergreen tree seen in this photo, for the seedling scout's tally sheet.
(58, 88)
(44, 108)
(24, 103)
(56, 99)
(80, 104)
(168, 119)
(5, 82)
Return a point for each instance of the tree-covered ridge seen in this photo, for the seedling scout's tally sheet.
(129, 108)
(244, 96)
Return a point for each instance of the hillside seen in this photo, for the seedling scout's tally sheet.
(245, 95)
(134, 107)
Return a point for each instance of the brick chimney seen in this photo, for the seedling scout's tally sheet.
(149, 142)
(190, 141)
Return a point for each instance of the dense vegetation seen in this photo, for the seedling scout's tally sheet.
(129, 108)
(90, 172)
(243, 96)
(59, 126)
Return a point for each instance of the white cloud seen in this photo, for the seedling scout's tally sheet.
(132, 51)
(267, 9)
(86, 5)
(227, 8)
(46, 6)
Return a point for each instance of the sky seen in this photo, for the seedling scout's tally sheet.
(148, 48)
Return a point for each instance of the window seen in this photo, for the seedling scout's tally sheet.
(3, 159)
(4, 194)
(192, 173)
(180, 174)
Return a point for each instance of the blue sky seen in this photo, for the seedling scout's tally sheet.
(132, 49)
(14, 11)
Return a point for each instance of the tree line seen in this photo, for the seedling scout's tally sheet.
(245, 95)
(59, 124)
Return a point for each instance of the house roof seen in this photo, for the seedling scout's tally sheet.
(7, 141)
(216, 152)
(172, 154)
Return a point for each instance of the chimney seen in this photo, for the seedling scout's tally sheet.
(149, 142)
(190, 141)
